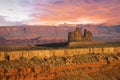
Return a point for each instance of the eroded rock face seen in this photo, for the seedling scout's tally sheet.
(77, 35)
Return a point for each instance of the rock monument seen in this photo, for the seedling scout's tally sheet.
(76, 36)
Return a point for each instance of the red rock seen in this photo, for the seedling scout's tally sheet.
(29, 76)
(11, 72)
(2, 72)
(37, 70)
(12, 77)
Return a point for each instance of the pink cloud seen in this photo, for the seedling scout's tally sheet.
(104, 11)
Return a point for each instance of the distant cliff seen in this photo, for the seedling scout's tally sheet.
(30, 32)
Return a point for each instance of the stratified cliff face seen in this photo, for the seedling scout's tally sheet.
(40, 31)
(35, 32)
(57, 52)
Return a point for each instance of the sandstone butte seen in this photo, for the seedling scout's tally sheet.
(76, 36)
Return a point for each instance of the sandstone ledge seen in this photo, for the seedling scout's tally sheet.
(57, 52)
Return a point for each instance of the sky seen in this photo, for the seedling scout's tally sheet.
(55, 12)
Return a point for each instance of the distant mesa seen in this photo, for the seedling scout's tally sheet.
(77, 36)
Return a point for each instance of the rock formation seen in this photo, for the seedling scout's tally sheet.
(87, 35)
(77, 36)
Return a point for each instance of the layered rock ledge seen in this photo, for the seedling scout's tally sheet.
(12, 55)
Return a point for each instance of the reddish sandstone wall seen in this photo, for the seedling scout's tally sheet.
(57, 52)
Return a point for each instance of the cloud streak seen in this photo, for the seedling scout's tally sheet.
(94, 11)
(3, 22)
(36, 12)
(14, 12)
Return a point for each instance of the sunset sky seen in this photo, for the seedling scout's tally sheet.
(54, 12)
